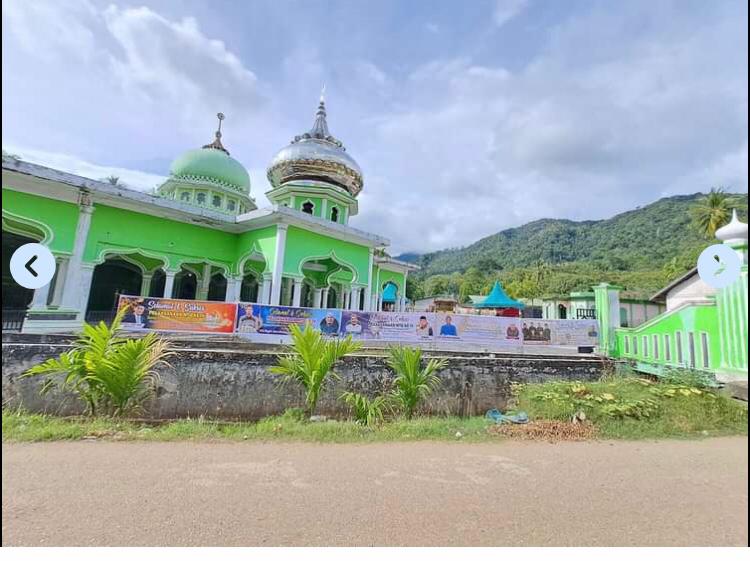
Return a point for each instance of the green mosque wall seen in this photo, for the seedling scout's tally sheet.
(115, 230)
(384, 277)
(304, 245)
(59, 217)
(263, 241)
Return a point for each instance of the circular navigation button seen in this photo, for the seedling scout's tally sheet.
(719, 266)
(32, 265)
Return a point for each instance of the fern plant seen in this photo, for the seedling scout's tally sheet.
(412, 383)
(110, 373)
(367, 412)
(311, 361)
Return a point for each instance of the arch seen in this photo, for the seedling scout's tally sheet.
(255, 254)
(562, 312)
(158, 284)
(333, 257)
(217, 288)
(130, 255)
(111, 278)
(15, 297)
(308, 207)
(335, 214)
(250, 288)
(185, 284)
(27, 227)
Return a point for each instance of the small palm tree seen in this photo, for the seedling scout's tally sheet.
(113, 180)
(110, 373)
(413, 383)
(311, 361)
(712, 211)
(366, 411)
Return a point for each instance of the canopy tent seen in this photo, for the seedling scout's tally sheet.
(497, 298)
(389, 292)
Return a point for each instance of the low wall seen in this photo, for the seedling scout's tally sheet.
(237, 384)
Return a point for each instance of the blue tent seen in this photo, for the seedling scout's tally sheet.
(497, 298)
(389, 292)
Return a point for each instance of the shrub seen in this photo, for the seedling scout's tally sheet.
(366, 411)
(311, 361)
(412, 383)
(111, 374)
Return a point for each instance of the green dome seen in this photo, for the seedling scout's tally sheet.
(211, 165)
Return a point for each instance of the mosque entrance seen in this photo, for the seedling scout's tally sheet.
(113, 277)
(16, 299)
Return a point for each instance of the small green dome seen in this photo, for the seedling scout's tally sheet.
(211, 165)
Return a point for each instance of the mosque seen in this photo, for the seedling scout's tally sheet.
(200, 236)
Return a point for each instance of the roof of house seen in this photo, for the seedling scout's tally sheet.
(662, 294)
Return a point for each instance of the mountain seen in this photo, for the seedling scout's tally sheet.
(642, 239)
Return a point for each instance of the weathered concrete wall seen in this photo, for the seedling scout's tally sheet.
(237, 383)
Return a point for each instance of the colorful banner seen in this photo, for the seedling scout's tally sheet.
(164, 314)
(563, 332)
(270, 324)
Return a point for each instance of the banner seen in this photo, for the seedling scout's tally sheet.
(562, 332)
(165, 314)
(263, 323)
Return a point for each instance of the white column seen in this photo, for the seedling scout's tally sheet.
(169, 283)
(266, 293)
(355, 298)
(324, 298)
(84, 286)
(57, 294)
(368, 298)
(234, 285)
(205, 282)
(278, 264)
(72, 292)
(297, 298)
(345, 298)
(146, 285)
(39, 301)
(318, 298)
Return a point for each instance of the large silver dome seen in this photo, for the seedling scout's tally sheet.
(316, 155)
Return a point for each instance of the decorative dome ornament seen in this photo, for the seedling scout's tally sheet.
(216, 144)
(318, 156)
(734, 232)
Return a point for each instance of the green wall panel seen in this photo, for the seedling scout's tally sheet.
(301, 245)
(60, 217)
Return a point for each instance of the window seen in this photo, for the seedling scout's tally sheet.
(704, 348)
(185, 196)
(335, 214)
(231, 204)
(678, 340)
(691, 349)
(627, 344)
(645, 345)
(201, 198)
(656, 347)
(668, 348)
(308, 207)
(216, 201)
(635, 345)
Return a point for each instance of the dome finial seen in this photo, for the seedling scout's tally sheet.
(216, 144)
(323, 93)
(733, 232)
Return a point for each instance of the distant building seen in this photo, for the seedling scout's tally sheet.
(441, 303)
(635, 308)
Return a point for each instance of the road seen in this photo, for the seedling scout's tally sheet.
(427, 493)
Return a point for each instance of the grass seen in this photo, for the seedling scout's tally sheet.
(619, 408)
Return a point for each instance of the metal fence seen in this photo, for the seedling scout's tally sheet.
(586, 313)
(13, 319)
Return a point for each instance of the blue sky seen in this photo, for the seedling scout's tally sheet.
(466, 117)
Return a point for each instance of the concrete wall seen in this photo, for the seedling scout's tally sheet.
(692, 289)
(237, 384)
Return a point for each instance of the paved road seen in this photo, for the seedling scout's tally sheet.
(517, 493)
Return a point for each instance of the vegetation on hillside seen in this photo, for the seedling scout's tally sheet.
(642, 250)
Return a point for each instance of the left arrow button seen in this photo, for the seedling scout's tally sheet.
(32, 265)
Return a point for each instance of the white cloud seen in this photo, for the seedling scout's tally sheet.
(505, 10)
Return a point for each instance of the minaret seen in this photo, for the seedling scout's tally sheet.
(734, 234)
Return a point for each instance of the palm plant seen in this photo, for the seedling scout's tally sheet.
(412, 383)
(712, 211)
(311, 361)
(110, 373)
(366, 411)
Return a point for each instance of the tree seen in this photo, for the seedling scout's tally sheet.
(413, 383)
(311, 361)
(110, 373)
(113, 180)
(712, 211)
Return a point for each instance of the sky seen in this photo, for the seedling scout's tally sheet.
(466, 117)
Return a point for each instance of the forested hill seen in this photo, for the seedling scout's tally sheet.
(642, 239)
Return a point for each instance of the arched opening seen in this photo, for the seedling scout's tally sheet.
(113, 277)
(185, 285)
(158, 282)
(217, 288)
(308, 207)
(16, 299)
(389, 296)
(249, 289)
(335, 214)
(333, 298)
(562, 312)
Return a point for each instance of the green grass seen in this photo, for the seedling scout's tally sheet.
(633, 408)
(621, 408)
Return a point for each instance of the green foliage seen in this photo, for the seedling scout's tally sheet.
(412, 383)
(311, 360)
(367, 412)
(711, 212)
(111, 374)
(642, 250)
